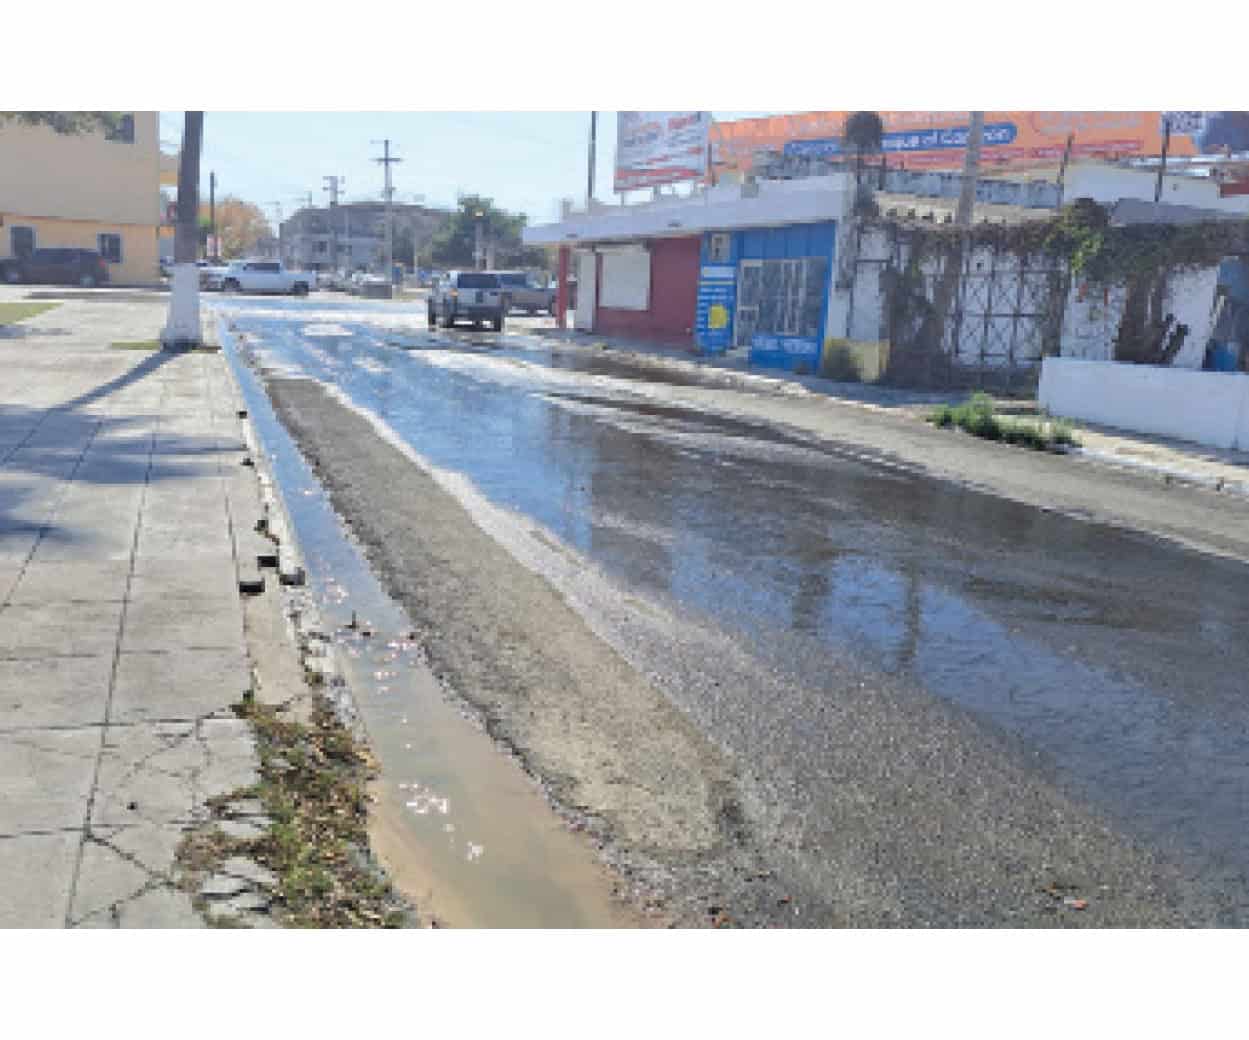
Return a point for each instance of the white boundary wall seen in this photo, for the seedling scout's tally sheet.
(1209, 408)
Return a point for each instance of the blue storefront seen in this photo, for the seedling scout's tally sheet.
(766, 290)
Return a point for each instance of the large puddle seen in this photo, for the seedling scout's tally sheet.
(1116, 661)
(462, 830)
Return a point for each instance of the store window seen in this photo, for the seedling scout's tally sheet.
(780, 298)
(110, 248)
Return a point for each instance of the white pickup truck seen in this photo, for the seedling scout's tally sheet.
(266, 276)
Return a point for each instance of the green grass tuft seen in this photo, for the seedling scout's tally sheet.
(976, 416)
(14, 312)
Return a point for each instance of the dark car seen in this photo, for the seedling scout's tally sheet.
(474, 296)
(528, 293)
(83, 267)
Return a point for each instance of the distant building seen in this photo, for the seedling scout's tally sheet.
(84, 191)
(352, 235)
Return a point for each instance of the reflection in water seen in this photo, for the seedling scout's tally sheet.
(1118, 657)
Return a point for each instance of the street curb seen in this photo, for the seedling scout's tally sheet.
(314, 644)
(753, 383)
(1169, 474)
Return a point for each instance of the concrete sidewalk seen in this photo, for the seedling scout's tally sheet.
(1172, 461)
(122, 498)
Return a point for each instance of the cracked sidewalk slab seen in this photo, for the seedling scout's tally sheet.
(118, 550)
(165, 772)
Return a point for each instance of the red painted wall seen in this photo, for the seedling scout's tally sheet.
(673, 298)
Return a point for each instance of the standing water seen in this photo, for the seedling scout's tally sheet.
(462, 831)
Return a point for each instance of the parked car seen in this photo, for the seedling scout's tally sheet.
(474, 296)
(210, 274)
(83, 267)
(339, 281)
(527, 293)
(266, 276)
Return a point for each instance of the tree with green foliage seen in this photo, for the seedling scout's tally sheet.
(69, 122)
(453, 246)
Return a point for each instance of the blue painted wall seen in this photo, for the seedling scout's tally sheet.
(718, 286)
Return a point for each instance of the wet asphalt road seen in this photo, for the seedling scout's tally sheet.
(1106, 663)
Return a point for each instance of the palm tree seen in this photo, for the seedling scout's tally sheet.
(864, 133)
(183, 326)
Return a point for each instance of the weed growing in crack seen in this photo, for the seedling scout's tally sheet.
(312, 788)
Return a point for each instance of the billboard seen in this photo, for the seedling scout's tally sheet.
(660, 148)
(934, 140)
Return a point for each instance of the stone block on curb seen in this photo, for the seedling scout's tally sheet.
(219, 886)
(249, 870)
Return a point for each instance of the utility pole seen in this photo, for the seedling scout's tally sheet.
(386, 160)
(971, 169)
(332, 184)
(277, 209)
(1162, 165)
(1062, 169)
(589, 191)
(212, 214)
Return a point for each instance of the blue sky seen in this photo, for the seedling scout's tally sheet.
(525, 161)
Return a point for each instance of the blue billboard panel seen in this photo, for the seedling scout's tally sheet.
(929, 140)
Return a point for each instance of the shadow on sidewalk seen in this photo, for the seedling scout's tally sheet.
(48, 444)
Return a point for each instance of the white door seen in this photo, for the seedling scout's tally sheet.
(587, 285)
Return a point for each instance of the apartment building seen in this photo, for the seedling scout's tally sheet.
(352, 235)
(87, 191)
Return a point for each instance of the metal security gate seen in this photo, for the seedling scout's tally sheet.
(1004, 314)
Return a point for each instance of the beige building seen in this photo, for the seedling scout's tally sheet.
(87, 191)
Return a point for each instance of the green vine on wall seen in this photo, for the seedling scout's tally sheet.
(1082, 236)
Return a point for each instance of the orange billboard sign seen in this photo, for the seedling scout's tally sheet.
(935, 140)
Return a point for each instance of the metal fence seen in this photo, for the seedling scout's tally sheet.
(1003, 313)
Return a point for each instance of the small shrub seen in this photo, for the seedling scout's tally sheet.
(975, 415)
(1062, 433)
